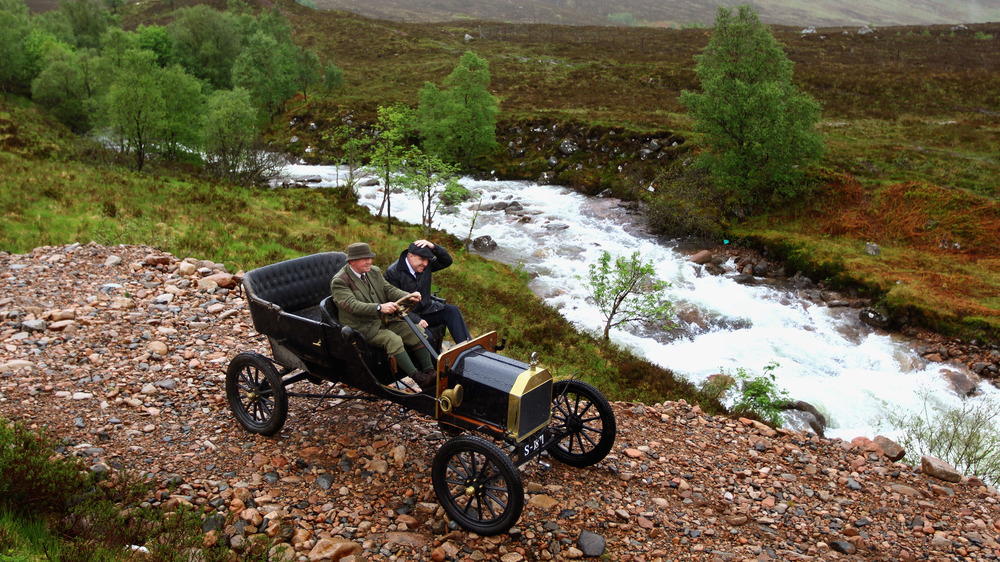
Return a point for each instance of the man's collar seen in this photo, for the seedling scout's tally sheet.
(356, 274)
(410, 267)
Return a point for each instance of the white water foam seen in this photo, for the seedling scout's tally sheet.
(826, 356)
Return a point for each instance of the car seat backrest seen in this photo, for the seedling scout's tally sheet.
(297, 283)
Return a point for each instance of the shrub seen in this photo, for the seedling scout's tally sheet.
(966, 436)
(760, 395)
(33, 482)
(628, 291)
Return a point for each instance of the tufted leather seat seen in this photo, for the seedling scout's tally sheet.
(297, 284)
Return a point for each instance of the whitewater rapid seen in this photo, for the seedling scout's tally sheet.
(850, 372)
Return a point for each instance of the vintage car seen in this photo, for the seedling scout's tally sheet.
(502, 412)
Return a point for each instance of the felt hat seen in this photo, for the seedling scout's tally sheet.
(359, 251)
(421, 251)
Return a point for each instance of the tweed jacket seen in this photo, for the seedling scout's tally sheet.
(357, 305)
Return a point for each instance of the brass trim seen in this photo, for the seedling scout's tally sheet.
(525, 383)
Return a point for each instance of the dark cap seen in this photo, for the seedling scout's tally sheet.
(359, 251)
(421, 251)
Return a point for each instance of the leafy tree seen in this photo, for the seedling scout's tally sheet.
(183, 105)
(388, 149)
(353, 144)
(232, 151)
(333, 78)
(15, 25)
(432, 181)
(156, 38)
(458, 123)
(56, 24)
(133, 108)
(275, 24)
(757, 128)
(628, 292)
(37, 46)
(266, 69)
(206, 43)
(307, 68)
(62, 89)
(87, 19)
(115, 43)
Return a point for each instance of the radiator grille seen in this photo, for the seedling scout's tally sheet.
(530, 403)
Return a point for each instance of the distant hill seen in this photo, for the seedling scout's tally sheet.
(814, 13)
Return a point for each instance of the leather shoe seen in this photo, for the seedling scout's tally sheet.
(425, 379)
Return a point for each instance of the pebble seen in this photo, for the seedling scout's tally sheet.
(678, 484)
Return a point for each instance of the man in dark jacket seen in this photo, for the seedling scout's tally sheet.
(412, 273)
(362, 296)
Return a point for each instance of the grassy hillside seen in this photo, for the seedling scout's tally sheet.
(911, 116)
(53, 190)
(673, 13)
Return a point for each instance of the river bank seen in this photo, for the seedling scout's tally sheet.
(737, 312)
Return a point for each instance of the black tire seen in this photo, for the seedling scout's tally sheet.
(583, 418)
(478, 485)
(255, 394)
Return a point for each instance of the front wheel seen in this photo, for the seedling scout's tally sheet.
(478, 485)
(583, 423)
(255, 393)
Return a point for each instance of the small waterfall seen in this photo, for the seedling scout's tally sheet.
(827, 356)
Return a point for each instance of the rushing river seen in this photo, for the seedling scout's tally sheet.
(827, 356)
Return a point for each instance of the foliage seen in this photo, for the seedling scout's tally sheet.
(156, 38)
(966, 435)
(54, 507)
(206, 43)
(87, 20)
(757, 128)
(433, 182)
(183, 104)
(628, 292)
(62, 88)
(14, 29)
(353, 144)
(760, 394)
(458, 122)
(265, 68)
(32, 483)
(333, 77)
(387, 151)
(232, 151)
(134, 110)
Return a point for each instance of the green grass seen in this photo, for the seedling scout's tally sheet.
(25, 540)
(43, 202)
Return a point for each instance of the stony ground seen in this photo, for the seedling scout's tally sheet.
(123, 350)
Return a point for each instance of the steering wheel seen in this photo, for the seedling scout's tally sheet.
(403, 307)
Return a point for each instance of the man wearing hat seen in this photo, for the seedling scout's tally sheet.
(412, 272)
(362, 296)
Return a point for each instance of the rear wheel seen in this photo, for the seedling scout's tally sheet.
(478, 485)
(583, 422)
(255, 394)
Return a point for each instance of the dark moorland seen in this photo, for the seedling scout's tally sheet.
(911, 116)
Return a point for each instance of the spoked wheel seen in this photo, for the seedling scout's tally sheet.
(584, 422)
(478, 485)
(255, 394)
